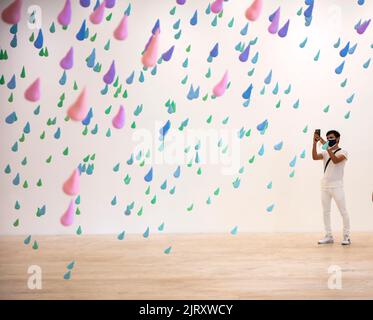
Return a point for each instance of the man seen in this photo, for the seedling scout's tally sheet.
(334, 159)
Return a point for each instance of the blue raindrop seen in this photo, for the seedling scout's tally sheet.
(344, 51)
(12, 83)
(149, 176)
(11, 118)
(82, 32)
(245, 54)
(194, 19)
(177, 172)
(129, 80)
(268, 79)
(62, 80)
(243, 31)
(57, 134)
(215, 50)
(247, 93)
(278, 146)
(39, 40)
(91, 59)
(339, 69)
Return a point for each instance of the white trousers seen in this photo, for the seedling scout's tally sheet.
(337, 193)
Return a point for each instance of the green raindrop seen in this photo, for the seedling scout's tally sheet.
(190, 208)
(184, 81)
(154, 199)
(79, 231)
(52, 28)
(177, 35)
(23, 72)
(116, 167)
(208, 74)
(147, 190)
(251, 72)
(214, 22)
(35, 246)
(107, 111)
(27, 240)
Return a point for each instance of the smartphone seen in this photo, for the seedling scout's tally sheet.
(318, 132)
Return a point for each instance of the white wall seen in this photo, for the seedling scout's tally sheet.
(315, 84)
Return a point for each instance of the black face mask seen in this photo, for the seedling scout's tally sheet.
(332, 142)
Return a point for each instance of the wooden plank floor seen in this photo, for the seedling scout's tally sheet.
(199, 266)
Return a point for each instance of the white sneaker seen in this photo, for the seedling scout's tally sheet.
(327, 239)
(346, 240)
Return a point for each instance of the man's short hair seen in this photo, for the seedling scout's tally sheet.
(335, 132)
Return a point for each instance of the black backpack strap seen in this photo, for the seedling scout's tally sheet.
(327, 162)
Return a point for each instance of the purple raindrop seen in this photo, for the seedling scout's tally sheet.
(275, 19)
(110, 74)
(168, 54)
(284, 30)
(67, 61)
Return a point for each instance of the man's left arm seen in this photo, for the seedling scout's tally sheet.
(336, 158)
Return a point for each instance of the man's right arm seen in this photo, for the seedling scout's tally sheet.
(315, 155)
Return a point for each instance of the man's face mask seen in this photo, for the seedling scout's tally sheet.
(332, 142)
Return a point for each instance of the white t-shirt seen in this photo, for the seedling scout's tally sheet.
(333, 176)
